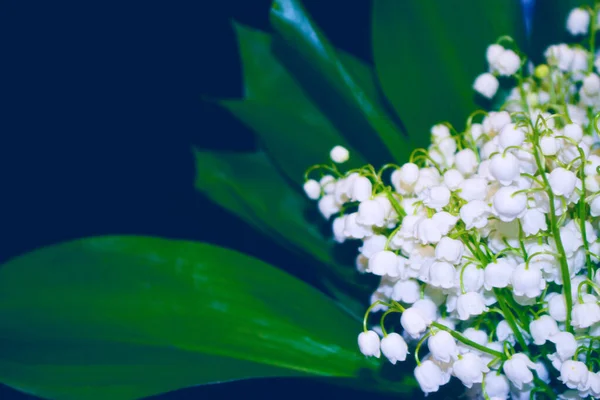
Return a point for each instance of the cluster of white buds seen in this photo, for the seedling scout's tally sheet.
(487, 242)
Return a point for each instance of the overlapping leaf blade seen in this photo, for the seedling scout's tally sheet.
(292, 130)
(428, 53)
(128, 317)
(366, 121)
(248, 186)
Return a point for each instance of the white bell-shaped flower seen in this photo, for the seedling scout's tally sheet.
(476, 335)
(507, 204)
(470, 304)
(453, 178)
(504, 168)
(495, 121)
(373, 244)
(475, 214)
(533, 221)
(504, 332)
(444, 221)
(557, 307)
(470, 369)
(574, 131)
(493, 51)
(472, 277)
(498, 273)
(428, 231)
(429, 376)
(436, 197)
(566, 345)
(511, 136)
(578, 21)
(449, 250)
(486, 84)
(595, 207)
(527, 281)
(518, 370)
(362, 189)
(466, 162)
(339, 229)
(371, 213)
(496, 385)
(369, 342)
(442, 275)
(339, 154)
(549, 145)
(353, 229)
(407, 291)
(442, 346)
(394, 347)
(328, 206)
(413, 322)
(585, 314)
(428, 309)
(574, 374)
(506, 63)
(562, 181)
(473, 189)
(592, 386)
(327, 183)
(542, 328)
(382, 262)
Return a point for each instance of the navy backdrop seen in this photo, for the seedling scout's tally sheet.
(101, 106)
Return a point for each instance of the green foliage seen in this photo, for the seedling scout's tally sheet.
(127, 317)
(428, 54)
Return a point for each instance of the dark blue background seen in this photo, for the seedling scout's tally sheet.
(101, 105)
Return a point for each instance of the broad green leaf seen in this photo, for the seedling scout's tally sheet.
(549, 25)
(128, 317)
(248, 186)
(318, 65)
(428, 53)
(292, 130)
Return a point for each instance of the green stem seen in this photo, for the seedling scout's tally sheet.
(510, 319)
(468, 342)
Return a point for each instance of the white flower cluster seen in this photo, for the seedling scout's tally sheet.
(487, 242)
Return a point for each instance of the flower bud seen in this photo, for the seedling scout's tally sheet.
(549, 145)
(508, 205)
(312, 189)
(394, 347)
(504, 168)
(562, 181)
(339, 154)
(574, 131)
(486, 84)
(518, 370)
(442, 346)
(368, 342)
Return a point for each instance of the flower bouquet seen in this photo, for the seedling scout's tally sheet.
(473, 241)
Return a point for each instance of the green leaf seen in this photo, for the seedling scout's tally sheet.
(428, 53)
(128, 317)
(367, 123)
(292, 130)
(248, 186)
(549, 25)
